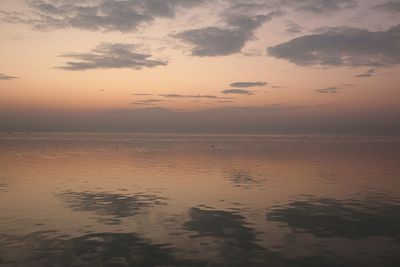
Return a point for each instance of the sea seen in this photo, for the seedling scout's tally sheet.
(124, 199)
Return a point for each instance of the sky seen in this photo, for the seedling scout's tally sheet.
(255, 66)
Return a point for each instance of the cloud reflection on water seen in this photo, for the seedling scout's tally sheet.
(111, 207)
(242, 178)
(351, 218)
(97, 249)
(237, 241)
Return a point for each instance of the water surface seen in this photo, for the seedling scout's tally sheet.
(198, 200)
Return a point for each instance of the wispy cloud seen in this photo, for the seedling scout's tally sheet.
(7, 77)
(293, 28)
(237, 92)
(107, 56)
(188, 96)
(329, 90)
(366, 74)
(148, 102)
(248, 84)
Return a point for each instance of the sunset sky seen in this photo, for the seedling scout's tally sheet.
(288, 66)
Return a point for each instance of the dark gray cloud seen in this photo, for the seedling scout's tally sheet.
(366, 74)
(248, 84)
(343, 46)
(392, 6)
(107, 56)
(101, 15)
(6, 77)
(329, 90)
(222, 41)
(188, 96)
(237, 92)
(314, 6)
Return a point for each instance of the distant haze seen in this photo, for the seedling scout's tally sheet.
(267, 120)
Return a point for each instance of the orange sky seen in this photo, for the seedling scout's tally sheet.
(308, 53)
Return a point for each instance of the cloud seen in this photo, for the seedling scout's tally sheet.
(142, 104)
(392, 6)
(152, 100)
(173, 95)
(142, 94)
(101, 15)
(348, 85)
(146, 102)
(6, 77)
(237, 91)
(329, 90)
(342, 46)
(366, 74)
(293, 28)
(314, 6)
(248, 84)
(203, 96)
(188, 96)
(223, 41)
(107, 56)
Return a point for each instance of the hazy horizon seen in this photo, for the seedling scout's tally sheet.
(277, 119)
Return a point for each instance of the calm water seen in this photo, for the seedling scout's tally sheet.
(195, 200)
